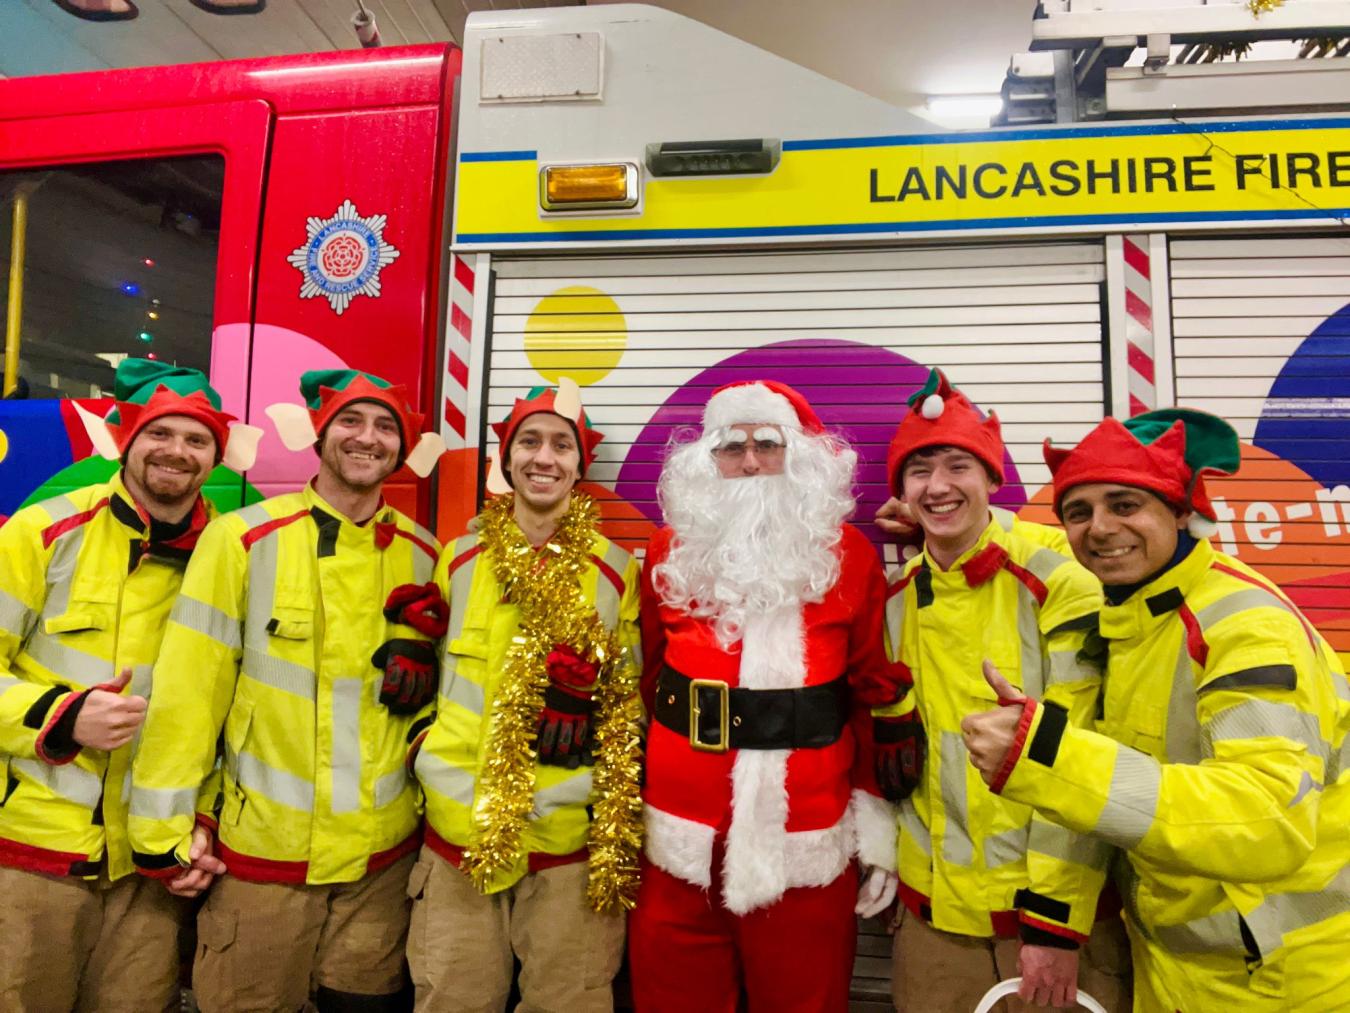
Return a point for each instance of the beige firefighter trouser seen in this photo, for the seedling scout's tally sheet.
(261, 947)
(75, 944)
(942, 972)
(461, 942)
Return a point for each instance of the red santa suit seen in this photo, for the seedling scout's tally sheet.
(749, 876)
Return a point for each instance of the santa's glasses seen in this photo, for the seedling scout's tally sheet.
(737, 450)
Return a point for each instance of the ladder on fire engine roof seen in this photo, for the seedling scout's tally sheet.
(1192, 60)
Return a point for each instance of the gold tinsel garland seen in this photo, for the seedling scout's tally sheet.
(1259, 7)
(546, 587)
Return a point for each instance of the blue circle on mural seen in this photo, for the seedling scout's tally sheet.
(1306, 415)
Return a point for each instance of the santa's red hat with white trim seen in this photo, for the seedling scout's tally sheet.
(767, 402)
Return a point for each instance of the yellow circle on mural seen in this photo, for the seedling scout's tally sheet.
(4, 445)
(577, 332)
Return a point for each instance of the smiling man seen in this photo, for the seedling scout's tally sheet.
(989, 892)
(86, 584)
(761, 623)
(1218, 763)
(304, 637)
(529, 758)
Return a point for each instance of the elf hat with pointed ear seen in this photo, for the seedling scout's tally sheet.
(941, 416)
(1167, 452)
(145, 390)
(327, 391)
(563, 401)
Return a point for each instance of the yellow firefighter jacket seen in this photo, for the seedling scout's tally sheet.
(450, 757)
(970, 862)
(83, 595)
(1220, 766)
(270, 643)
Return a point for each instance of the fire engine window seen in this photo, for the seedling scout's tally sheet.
(119, 259)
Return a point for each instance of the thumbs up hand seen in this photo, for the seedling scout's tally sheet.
(108, 719)
(989, 735)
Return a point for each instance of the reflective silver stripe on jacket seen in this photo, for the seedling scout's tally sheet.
(16, 617)
(72, 783)
(1277, 915)
(572, 790)
(161, 803)
(258, 662)
(445, 779)
(957, 847)
(207, 620)
(253, 775)
(460, 691)
(345, 748)
(1132, 801)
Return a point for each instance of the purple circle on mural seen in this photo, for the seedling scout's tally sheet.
(857, 390)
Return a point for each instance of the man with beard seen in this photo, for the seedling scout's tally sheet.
(988, 891)
(761, 625)
(304, 639)
(1218, 759)
(86, 583)
(530, 762)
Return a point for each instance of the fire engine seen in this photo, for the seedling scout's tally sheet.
(629, 198)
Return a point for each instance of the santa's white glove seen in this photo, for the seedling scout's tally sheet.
(877, 891)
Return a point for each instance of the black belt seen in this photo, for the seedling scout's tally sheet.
(717, 717)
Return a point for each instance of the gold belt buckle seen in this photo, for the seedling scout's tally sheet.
(723, 716)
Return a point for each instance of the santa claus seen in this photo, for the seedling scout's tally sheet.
(762, 635)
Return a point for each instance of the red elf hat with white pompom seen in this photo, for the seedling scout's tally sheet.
(941, 416)
(747, 402)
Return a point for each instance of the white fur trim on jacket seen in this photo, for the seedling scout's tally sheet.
(875, 821)
(683, 848)
(747, 404)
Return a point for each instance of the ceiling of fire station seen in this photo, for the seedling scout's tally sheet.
(897, 50)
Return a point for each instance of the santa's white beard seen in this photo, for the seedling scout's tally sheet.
(750, 546)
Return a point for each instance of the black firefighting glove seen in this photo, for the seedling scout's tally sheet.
(564, 738)
(411, 674)
(901, 746)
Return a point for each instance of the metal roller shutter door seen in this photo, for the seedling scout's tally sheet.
(1018, 327)
(1261, 336)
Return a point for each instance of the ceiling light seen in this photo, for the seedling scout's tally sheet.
(964, 106)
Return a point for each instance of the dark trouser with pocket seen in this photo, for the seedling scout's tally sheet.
(261, 946)
(76, 944)
(461, 943)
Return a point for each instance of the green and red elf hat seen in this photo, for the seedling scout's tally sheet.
(145, 390)
(327, 391)
(941, 416)
(1166, 452)
(563, 401)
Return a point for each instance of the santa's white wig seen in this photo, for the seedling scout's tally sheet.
(750, 546)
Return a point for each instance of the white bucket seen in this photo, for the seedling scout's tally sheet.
(1010, 987)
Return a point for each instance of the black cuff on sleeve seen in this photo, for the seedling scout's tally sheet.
(36, 716)
(1045, 743)
(60, 741)
(1033, 936)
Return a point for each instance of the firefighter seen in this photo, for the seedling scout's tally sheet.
(989, 891)
(304, 640)
(761, 623)
(1218, 761)
(86, 583)
(529, 759)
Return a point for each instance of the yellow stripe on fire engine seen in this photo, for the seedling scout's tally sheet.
(1105, 176)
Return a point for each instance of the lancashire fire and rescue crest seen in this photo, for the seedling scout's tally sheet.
(343, 256)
